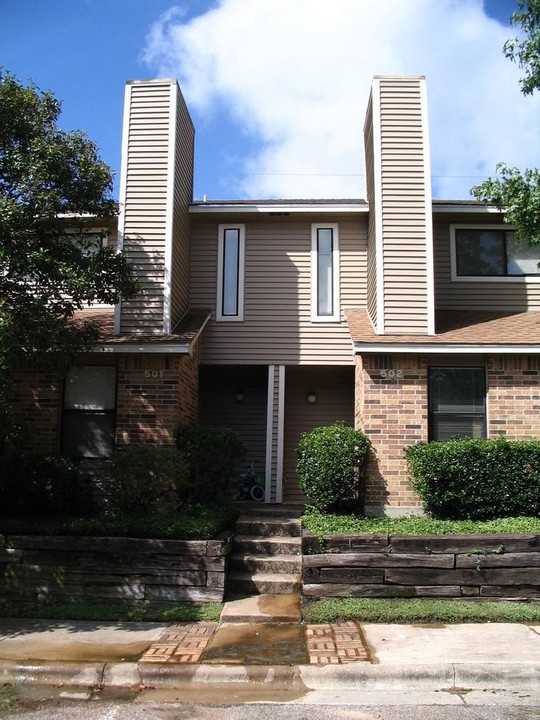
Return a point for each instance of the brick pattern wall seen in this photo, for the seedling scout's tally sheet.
(35, 399)
(514, 396)
(392, 410)
(156, 394)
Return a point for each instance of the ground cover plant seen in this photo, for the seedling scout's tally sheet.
(321, 524)
(419, 610)
(198, 522)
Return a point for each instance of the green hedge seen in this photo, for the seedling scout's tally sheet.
(477, 479)
(329, 465)
(212, 454)
(34, 484)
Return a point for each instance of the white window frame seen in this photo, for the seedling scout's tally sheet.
(484, 278)
(431, 415)
(220, 316)
(86, 408)
(336, 315)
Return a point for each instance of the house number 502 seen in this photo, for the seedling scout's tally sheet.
(392, 374)
(153, 373)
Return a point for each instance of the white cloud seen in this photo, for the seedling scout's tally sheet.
(294, 76)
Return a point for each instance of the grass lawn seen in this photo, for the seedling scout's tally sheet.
(188, 612)
(419, 610)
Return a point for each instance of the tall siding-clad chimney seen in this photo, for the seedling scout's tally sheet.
(155, 191)
(398, 179)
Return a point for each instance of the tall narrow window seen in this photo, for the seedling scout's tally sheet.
(230, 282)
(457, 402)
(88, 417)
(324, 273)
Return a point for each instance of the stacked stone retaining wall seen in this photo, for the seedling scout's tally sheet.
(457, 566)
(128, 570)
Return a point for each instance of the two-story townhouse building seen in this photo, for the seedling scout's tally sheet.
(411, 319)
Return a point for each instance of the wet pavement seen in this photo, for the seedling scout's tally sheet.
(258, 644)
(247, 655)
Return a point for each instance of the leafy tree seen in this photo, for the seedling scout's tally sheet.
(50, 181)
(515, 192)
(526, 51)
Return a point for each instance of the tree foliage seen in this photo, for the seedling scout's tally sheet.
(50, 181)
(526, 50)
(517, 192)
(518, 195)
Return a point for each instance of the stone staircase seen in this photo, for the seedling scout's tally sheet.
(267, 552)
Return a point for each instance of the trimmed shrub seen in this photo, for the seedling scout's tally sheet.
(212, 454)
(476, 479)
(329, 467)
(147, 478)
(32, 485)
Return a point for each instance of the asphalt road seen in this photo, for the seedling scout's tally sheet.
(99, 710)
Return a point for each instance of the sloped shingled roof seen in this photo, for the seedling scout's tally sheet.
(457, 328)
(184, 335)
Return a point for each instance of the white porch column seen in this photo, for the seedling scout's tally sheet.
(275, 420)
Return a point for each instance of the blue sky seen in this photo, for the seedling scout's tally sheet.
(278, 88)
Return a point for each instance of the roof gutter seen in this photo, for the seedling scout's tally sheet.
(442, 349)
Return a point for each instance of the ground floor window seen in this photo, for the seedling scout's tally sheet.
(88, 413)
(457, 402)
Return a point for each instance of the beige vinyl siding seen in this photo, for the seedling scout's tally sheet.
(334, 388)
(277, 325)
(399, 202)
(183, 195)
(218, 405)
(490, 296)
(403, 198)
(145, 208)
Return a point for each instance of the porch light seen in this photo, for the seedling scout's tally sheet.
(311, 397)
(239, 396)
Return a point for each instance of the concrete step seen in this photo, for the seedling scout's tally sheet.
(263, 583)
(263, 609)
(268, 526)
(269, 510)
(255, 545)
(286, 564)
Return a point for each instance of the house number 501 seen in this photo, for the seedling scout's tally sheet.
(153, 373)
(392, 374)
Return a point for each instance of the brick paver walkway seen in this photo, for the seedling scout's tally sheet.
(332, 644)
(181, 643)
(335, 644)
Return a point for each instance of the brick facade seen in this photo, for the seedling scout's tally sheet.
(34, 396)
(392, 410)
(155, 394)
(514, 396)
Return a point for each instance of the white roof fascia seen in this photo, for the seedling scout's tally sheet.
(122, 193)
(146, 348)
(448, 207)
(433, 349)
(252, 209)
